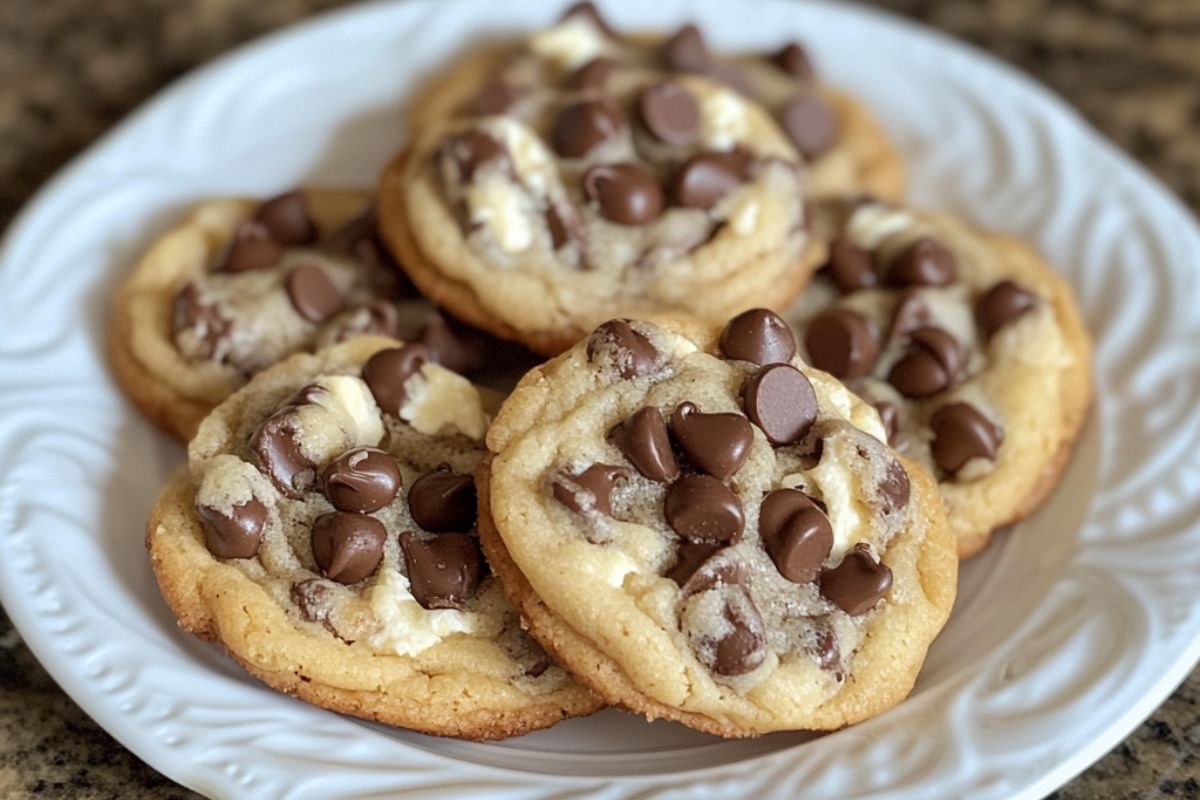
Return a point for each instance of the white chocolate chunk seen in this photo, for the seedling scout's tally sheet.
(743, 215)
(871, 224)
(437, 399)
(570, 43)
(725, 122)
(496, 204)
(349, 400)
(405, 627)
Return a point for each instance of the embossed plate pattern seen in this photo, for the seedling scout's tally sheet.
(1066, 634)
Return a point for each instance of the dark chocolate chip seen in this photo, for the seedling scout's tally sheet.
(670, 113)
(702, 180)
(443, 571)
(894, 489)
(589, 12)
(744, 648)
(810, 123)
(347, 546)
(560, 232)
(363, 479)
(387, 371)
(722, 568)
(850, 267)
(451, 344)
(823, 647)
(592, 76)
(627, 194)
(780, 400)
(313, 597)
(801, 545)
(732, 76)
(312, 294)
(689, 557)
(714, 443)
(779, 506)
(471, 151)
(582, 127)
(759, 336)
(443, 501)
(590, 490)
(287, 219)
(700, 507)
(857, 584)
(960, 433)
(841, 342)
(929, 366)
(888, 416)
(278, 454)
(616, 343)
(1001, 304)
(686, 51)
(203, 320)
(494, 97)
(644, 440)
(251, 248)
(234, 535)
(925, 262)
(793, 59)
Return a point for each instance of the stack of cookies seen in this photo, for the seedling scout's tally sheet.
(779, 403)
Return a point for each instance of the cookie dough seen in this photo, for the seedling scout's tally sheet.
(324, 534)
(704, 528)
(970, 346)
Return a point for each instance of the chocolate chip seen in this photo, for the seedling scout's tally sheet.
(627, 194)
(643, 439)
(800, 545)
(451, 344)
(279, 457)
(313, 598)
(363, 479)
(686, 51)
(251, 248)
(721, 568)
(714, 443)
(541, 663)
(888, 416)
(346, 546)
(894, 488)
(616, 343)
(387, 371)
(759, 336)
(443, 501)
(910, 313)
(960, 433)
(1001, 304)
(378, 317)
(794, 60)
(701, 507)
(582, 127)
(590, 490)
(744, 648)
(842, 343)
(236, 534)
(471, 151)
(926, 262)
(732, 76)
(589, 12)
(857, 584)
(444, 570)
(689, 557)
(810, 123)
(781, 505)
(704, 179)
(312, 294)
(929, 366)
(560, 233)
(287, 219)
(494, 97)
(780, 400)
(669, 112)
(592, 76)
(203, 320)
(823, 647)
(850, 267)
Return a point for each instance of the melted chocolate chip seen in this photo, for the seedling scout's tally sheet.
(910, 313)
(494, 97)
(759, 336)
(960, 433)
(926, 262)
(842, 343)
(888, 416)
(722, 568)
(850, 267)
(312, 294)
(1002, 304)
(444, 570)
(686, 51)
(251, 248)
(592, 76)
(700, 507)
(363, 479)
(236, 534)
(627, 194)
(287, 219)
(689, 557)
(615, 343)
(780, 400)
(857, 584)
(346, 546)
(590, 490)
(670, 113)
(582, 127)
(810, 123)
(714, 443)
(313, 597)
(443, 501)
(744, 648)
(278, 454)
(471, 151)
(644, 440)
(203, 320)
(704, 179)
(560, 232)
(894, 488)
(793, 59)
(930, 365)
(387, 371)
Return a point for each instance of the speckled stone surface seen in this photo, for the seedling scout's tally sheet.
(69, 69)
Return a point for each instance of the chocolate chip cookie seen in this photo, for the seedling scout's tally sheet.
(704, 528)
(969, 345)
(324, 534)
(241, 284)
(566, 187)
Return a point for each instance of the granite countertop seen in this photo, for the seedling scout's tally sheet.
(69, 69)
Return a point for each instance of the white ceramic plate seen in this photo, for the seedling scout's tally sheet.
(1066, 634)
